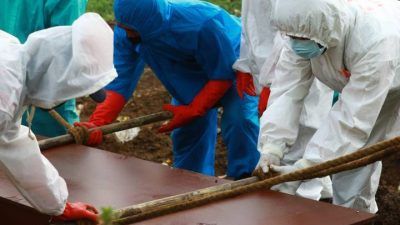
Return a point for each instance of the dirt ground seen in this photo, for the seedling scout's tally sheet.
(149, 145)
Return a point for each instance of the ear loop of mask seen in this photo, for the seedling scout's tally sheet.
(29, 118)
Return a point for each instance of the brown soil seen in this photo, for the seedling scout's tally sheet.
(388, 196)
(149, 145)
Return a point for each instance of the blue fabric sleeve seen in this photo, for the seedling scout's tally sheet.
(61, 13)
(215, 51)
(128, 63)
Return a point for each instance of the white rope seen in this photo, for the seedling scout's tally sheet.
(29, 118)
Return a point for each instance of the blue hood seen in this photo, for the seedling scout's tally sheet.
(148, 17)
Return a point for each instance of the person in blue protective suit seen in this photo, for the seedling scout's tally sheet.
(23, 17)
(191, 46)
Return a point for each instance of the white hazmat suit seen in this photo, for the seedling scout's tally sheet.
(362, 62)
(260, 42)
(261, 47)
(54, 65)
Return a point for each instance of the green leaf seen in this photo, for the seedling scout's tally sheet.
(107, 215)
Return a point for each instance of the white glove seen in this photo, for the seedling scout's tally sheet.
(266, 160)
(289, 187)
(315, 189)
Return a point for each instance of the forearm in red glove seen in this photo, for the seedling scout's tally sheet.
(104, 114)
(77, 211)
(245, 84)
(263, 102)
(206, 99)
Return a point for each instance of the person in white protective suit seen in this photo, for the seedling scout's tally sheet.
(354, 48)
(260, 50)
(260, 43)
(54, 65)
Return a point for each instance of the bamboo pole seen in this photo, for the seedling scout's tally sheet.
(108, 129)
(146, 206)
(204, 196)
(341, 163)
(191, 200)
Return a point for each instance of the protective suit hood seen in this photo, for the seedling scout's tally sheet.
(324, 21)
(67, 62)
(148, 17)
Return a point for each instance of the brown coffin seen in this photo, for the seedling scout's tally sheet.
(106, 179)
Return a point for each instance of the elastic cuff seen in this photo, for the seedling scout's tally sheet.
(272, 149)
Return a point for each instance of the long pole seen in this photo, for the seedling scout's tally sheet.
(108, 129)
(200, 197)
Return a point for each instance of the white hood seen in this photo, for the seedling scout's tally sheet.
(324, 21)
(69, 61)
(53, 66)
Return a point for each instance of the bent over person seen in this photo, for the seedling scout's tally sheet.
(191, 46)
(53, 66)
(23, 17)
(354, 48)
(260, 50)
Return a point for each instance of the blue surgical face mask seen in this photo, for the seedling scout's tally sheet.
(306, 48)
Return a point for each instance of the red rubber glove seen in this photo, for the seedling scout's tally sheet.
(263, 102)
(109, 110)
(104, 114)
(77, 211)
(245, 84)
(95, 136)
(206, 99)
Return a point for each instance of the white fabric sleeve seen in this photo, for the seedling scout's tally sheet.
(352, 119)
(279, 124)
(242, 64)
(31, 173)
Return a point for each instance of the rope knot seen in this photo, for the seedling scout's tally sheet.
(80, 134)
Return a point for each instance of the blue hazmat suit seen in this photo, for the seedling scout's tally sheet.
(23, 17)
(187, 44)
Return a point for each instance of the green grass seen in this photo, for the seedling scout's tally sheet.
(105, 7)
(102, 7)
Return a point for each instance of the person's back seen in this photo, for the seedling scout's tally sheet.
(178, 37)
(22, 17)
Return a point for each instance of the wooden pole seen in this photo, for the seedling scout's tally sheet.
(176, 199)
(108, 129)
(205, 196)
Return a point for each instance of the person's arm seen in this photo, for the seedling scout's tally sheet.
(31, 173)
(244, 77)
(216, 54)
(62, 13)
(242, 63)
(257, 36)
(351, 120)
(279, 124)
(34, 176)
(129, 66)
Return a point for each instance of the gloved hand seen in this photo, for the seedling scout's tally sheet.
(245, 84)
(95, 136)
(109, 110)
(77, 211)
(289, 187)
(263, 102)
(206, 99)
(266, 160)
(104, 114)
